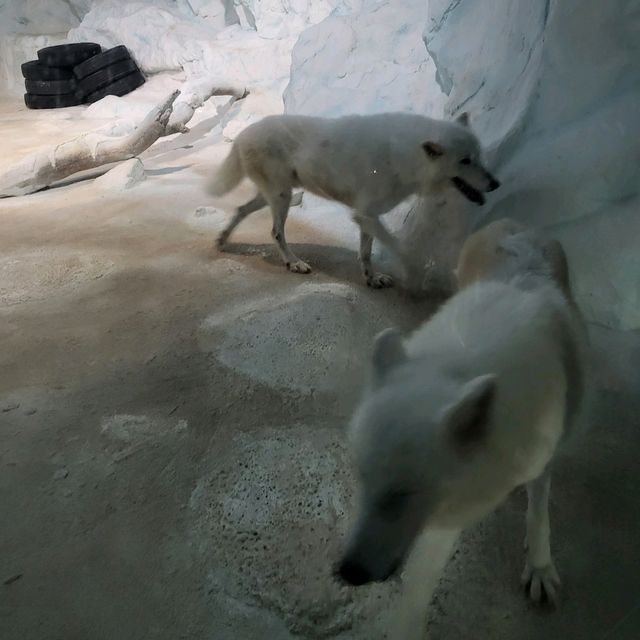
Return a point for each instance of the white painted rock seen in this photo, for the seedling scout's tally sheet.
(124, 176)
(163, 36)
(37, 17)
(364, 61)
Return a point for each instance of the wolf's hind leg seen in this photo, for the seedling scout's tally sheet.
(241, 213)
(540, 577)
(373, 279)
(370, 228)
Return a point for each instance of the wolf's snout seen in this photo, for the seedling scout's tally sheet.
(353, 573)
(493, 184)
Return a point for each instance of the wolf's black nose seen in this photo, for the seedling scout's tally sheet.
(493, 185)
(353, 573)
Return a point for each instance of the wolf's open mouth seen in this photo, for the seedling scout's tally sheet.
(467, 190)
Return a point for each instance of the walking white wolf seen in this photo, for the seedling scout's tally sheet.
(369, 163)
(474, 404)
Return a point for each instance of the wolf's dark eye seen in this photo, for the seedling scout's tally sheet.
(465, 161)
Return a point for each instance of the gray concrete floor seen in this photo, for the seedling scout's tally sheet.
(171, 439)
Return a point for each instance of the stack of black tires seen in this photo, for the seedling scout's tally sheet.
(72, 74)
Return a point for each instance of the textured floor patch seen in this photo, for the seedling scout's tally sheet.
(321, 324)
(274, 512)
(29, 277)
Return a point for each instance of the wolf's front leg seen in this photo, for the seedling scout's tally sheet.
(421, 576)
(540, 577)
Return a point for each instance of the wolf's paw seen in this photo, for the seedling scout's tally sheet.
(299, 266)
(379, 281)
(541, 583)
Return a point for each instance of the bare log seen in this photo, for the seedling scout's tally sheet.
(193, 98)
(88, 151)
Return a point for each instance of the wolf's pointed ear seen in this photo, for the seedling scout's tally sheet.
(466, 421)
(463, 119)
(388, 352)
(433, 149)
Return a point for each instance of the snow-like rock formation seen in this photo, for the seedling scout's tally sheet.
(285, 18)
(26, 27)
(368, 61)
(243, 41)
(38, 17)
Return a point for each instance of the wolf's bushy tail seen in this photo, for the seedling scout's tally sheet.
(228, 175)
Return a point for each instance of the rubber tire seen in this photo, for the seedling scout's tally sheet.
(118, 88)
(101, 60)
(68, 55)
(107, 76)
(50, 87)
(52, 102)
(35, 70)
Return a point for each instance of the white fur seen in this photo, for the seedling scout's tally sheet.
(498, 328)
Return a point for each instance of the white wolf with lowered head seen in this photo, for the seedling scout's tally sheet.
(474, 404)
(369, 163)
